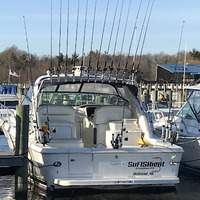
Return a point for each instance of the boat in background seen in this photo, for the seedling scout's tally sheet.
(161, 113)
(90, 131)
(184, 125)
(8, 96)
(8, 101)
(187, 124)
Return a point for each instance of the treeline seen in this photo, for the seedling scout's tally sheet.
(30, 67)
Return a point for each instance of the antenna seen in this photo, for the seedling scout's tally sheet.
(29, 59)
(179, 46)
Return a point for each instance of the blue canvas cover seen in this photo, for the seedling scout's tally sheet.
(8, 89)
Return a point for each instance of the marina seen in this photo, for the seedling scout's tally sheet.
(96, 117)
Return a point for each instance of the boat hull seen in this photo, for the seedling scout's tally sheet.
(61, 168)
(191, 155)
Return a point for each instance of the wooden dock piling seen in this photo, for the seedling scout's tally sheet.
(22, 128)
(150, 93)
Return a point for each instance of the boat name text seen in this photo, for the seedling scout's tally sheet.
(146, 164)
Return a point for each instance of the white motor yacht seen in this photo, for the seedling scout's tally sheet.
(92, 132)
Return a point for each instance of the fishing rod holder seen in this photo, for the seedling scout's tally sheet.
(169, 135)
(117, 142)
(46, 132)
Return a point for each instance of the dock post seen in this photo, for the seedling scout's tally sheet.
(19, 93)
(154, 98)
(141, 89)
(180, 97)
(22, 129)
(169, 94)
(146, 96)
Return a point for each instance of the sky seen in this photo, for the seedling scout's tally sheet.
(172, 24)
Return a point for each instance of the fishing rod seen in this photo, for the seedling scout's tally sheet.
(67, 42)
(77, 22)
(110, 38)
(92, 37)
(103, 30)
(119, 22)
(83, 49)
(28, 53)
(140, 36)
(176, 78)
(145, 34)
(132, 37)
(59, 43)
(122, 45)
(51, 45)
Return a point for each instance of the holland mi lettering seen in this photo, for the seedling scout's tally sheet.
(146, 164)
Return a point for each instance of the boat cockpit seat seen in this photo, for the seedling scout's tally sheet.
(63, 130)
(56, 113)
(105, 114)
(60, 117)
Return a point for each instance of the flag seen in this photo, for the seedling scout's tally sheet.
(13, 73)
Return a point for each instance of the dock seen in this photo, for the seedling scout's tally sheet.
(9, 163)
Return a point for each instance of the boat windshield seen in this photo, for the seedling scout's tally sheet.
(81, 93)
(191, 109)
